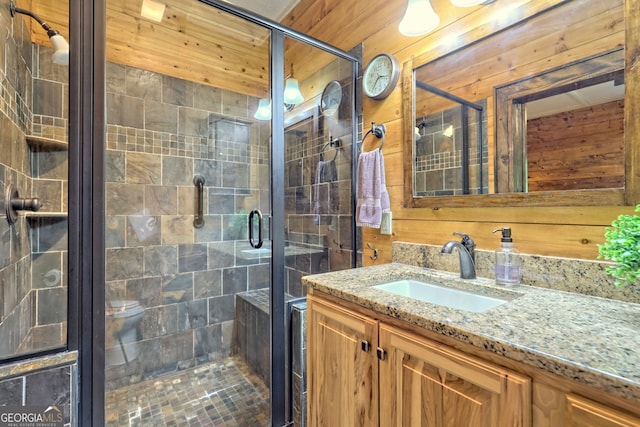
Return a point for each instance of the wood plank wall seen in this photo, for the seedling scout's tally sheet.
(559, 231)
(592, 137)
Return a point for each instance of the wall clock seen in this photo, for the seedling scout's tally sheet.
(331, 98)
(381, 76)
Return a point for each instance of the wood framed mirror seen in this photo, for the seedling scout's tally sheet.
(510, 69)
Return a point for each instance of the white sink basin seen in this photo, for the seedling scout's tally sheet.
(440, 295)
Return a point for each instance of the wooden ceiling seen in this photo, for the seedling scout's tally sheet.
(194, 41)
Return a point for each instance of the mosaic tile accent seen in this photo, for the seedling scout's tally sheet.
(439, 155)
(223, 393)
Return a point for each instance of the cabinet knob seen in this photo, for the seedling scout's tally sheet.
(382, 354)
(365, 346)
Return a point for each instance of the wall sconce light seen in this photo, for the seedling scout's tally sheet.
(264, 109)
(420, 18)
(292, 94)
(60, 45)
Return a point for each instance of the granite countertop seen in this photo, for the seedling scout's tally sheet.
(587, 339)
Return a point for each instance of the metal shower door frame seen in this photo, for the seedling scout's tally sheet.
(87, 145)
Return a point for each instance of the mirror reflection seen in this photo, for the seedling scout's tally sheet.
(575, 140)
(559, 130)
(450, 146)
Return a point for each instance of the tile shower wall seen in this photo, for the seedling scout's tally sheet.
(33, 302)
(17, 315)
(32, 251)
(439, 156)
(327, 236)
(49, 169)
(161, 132)
(42, 382)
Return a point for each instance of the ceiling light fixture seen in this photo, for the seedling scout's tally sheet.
(60, 45)
(152, 10)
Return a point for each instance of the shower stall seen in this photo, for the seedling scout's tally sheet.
(213, 212)
(191, 217)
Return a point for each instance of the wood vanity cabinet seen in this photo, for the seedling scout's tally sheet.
(404, 380)
(363, 370)
(341, 367)
(424, 383)
(583, 412)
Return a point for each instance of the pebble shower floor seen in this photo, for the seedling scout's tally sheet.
(223, 393)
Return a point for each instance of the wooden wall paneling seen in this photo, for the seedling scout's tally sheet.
(588, 215)
(592, 137)
(393, 169)
(408, 112)
(378, 241)
(539, 239)
(474, 27)
(525, 50)
(342, 27)
(632, 99)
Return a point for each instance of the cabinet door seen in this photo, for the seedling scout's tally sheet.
(342, 369)
(423, 383)
(585, 413)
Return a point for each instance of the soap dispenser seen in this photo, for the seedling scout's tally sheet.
(507, 260)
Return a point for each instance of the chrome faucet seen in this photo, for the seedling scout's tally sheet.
(466, 251)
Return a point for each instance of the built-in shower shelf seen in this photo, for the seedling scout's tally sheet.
(46, 144)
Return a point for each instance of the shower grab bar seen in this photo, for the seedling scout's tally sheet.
(198, 221)
(260, 241)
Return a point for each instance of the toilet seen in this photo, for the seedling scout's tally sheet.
(123, 321)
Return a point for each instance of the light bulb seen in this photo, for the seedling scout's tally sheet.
(292, 93)
(264, 109)
(419, 18)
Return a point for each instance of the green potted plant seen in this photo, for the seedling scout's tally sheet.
(622, 246)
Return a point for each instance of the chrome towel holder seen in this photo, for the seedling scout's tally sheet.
(378, 131)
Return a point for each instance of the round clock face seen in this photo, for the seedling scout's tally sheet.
(380, 76)
(331, 98)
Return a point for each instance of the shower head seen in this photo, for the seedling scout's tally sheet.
(60, 45)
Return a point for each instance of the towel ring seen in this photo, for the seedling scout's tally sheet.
(332, 143)
(377, 131)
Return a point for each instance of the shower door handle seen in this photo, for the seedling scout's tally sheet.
(251, 242)
(198, 221)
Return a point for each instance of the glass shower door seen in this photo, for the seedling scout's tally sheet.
(186, 338)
